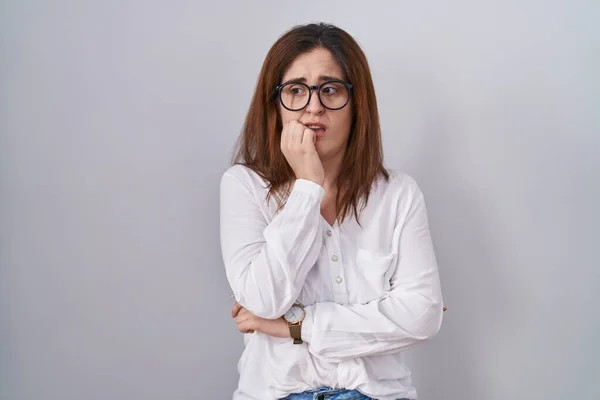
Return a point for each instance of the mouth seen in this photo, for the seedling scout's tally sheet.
(318, 128)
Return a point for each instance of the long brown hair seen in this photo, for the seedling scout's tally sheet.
(258, 146)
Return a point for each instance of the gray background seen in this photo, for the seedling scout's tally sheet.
(118, 118)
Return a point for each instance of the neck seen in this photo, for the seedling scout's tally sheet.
(332, 168)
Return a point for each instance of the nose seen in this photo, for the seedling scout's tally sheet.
(314, 105)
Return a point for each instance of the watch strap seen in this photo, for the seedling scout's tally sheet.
(296, 332)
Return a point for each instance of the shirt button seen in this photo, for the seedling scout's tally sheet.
(328, 232)
(334, 258)
(338, 279)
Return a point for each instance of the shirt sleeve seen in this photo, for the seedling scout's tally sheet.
(267, 263)
(410, 313)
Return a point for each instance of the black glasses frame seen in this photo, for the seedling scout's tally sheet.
(310, 91)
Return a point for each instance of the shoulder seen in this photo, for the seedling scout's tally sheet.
(244, 176)
(402, 184)
(402, 193)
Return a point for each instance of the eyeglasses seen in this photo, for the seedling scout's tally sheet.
(333, 94)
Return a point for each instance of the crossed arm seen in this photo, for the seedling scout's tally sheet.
(267, 263)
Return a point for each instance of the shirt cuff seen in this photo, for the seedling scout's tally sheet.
(309, 187)
(307, 324)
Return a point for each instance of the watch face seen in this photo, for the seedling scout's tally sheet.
(294, 315)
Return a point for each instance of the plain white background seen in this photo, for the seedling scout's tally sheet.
(117, 119)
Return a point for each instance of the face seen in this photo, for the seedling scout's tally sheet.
(314, 68)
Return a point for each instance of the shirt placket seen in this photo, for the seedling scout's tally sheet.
(336, 265)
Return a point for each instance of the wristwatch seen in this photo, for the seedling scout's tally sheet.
(294, 318)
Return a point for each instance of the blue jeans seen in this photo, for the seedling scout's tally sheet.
(327, 393)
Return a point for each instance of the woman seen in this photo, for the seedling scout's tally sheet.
(328, 254)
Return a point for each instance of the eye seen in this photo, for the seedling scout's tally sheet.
(295, 90)
(329, 89)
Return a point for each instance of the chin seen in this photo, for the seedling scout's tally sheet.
(321, 149)
(326, 154)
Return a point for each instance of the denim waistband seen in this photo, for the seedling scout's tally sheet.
(328, 393)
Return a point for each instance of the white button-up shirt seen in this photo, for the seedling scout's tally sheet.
(370, 291)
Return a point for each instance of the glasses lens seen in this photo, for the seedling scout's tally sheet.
(294, 96)
(334, 95)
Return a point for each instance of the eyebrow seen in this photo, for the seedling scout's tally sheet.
(322, 78)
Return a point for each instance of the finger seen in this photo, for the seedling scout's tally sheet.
(309, 137)
(245, 330)
(244, 322)
(247, 326)
(287, 139)
(235, 309)
(242, 329)
(243, 315)
(296, 134)
(284, 136)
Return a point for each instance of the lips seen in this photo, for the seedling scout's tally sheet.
(318, 127)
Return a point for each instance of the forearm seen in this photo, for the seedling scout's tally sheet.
(391, 324)
(267, 264)
(270, 283)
